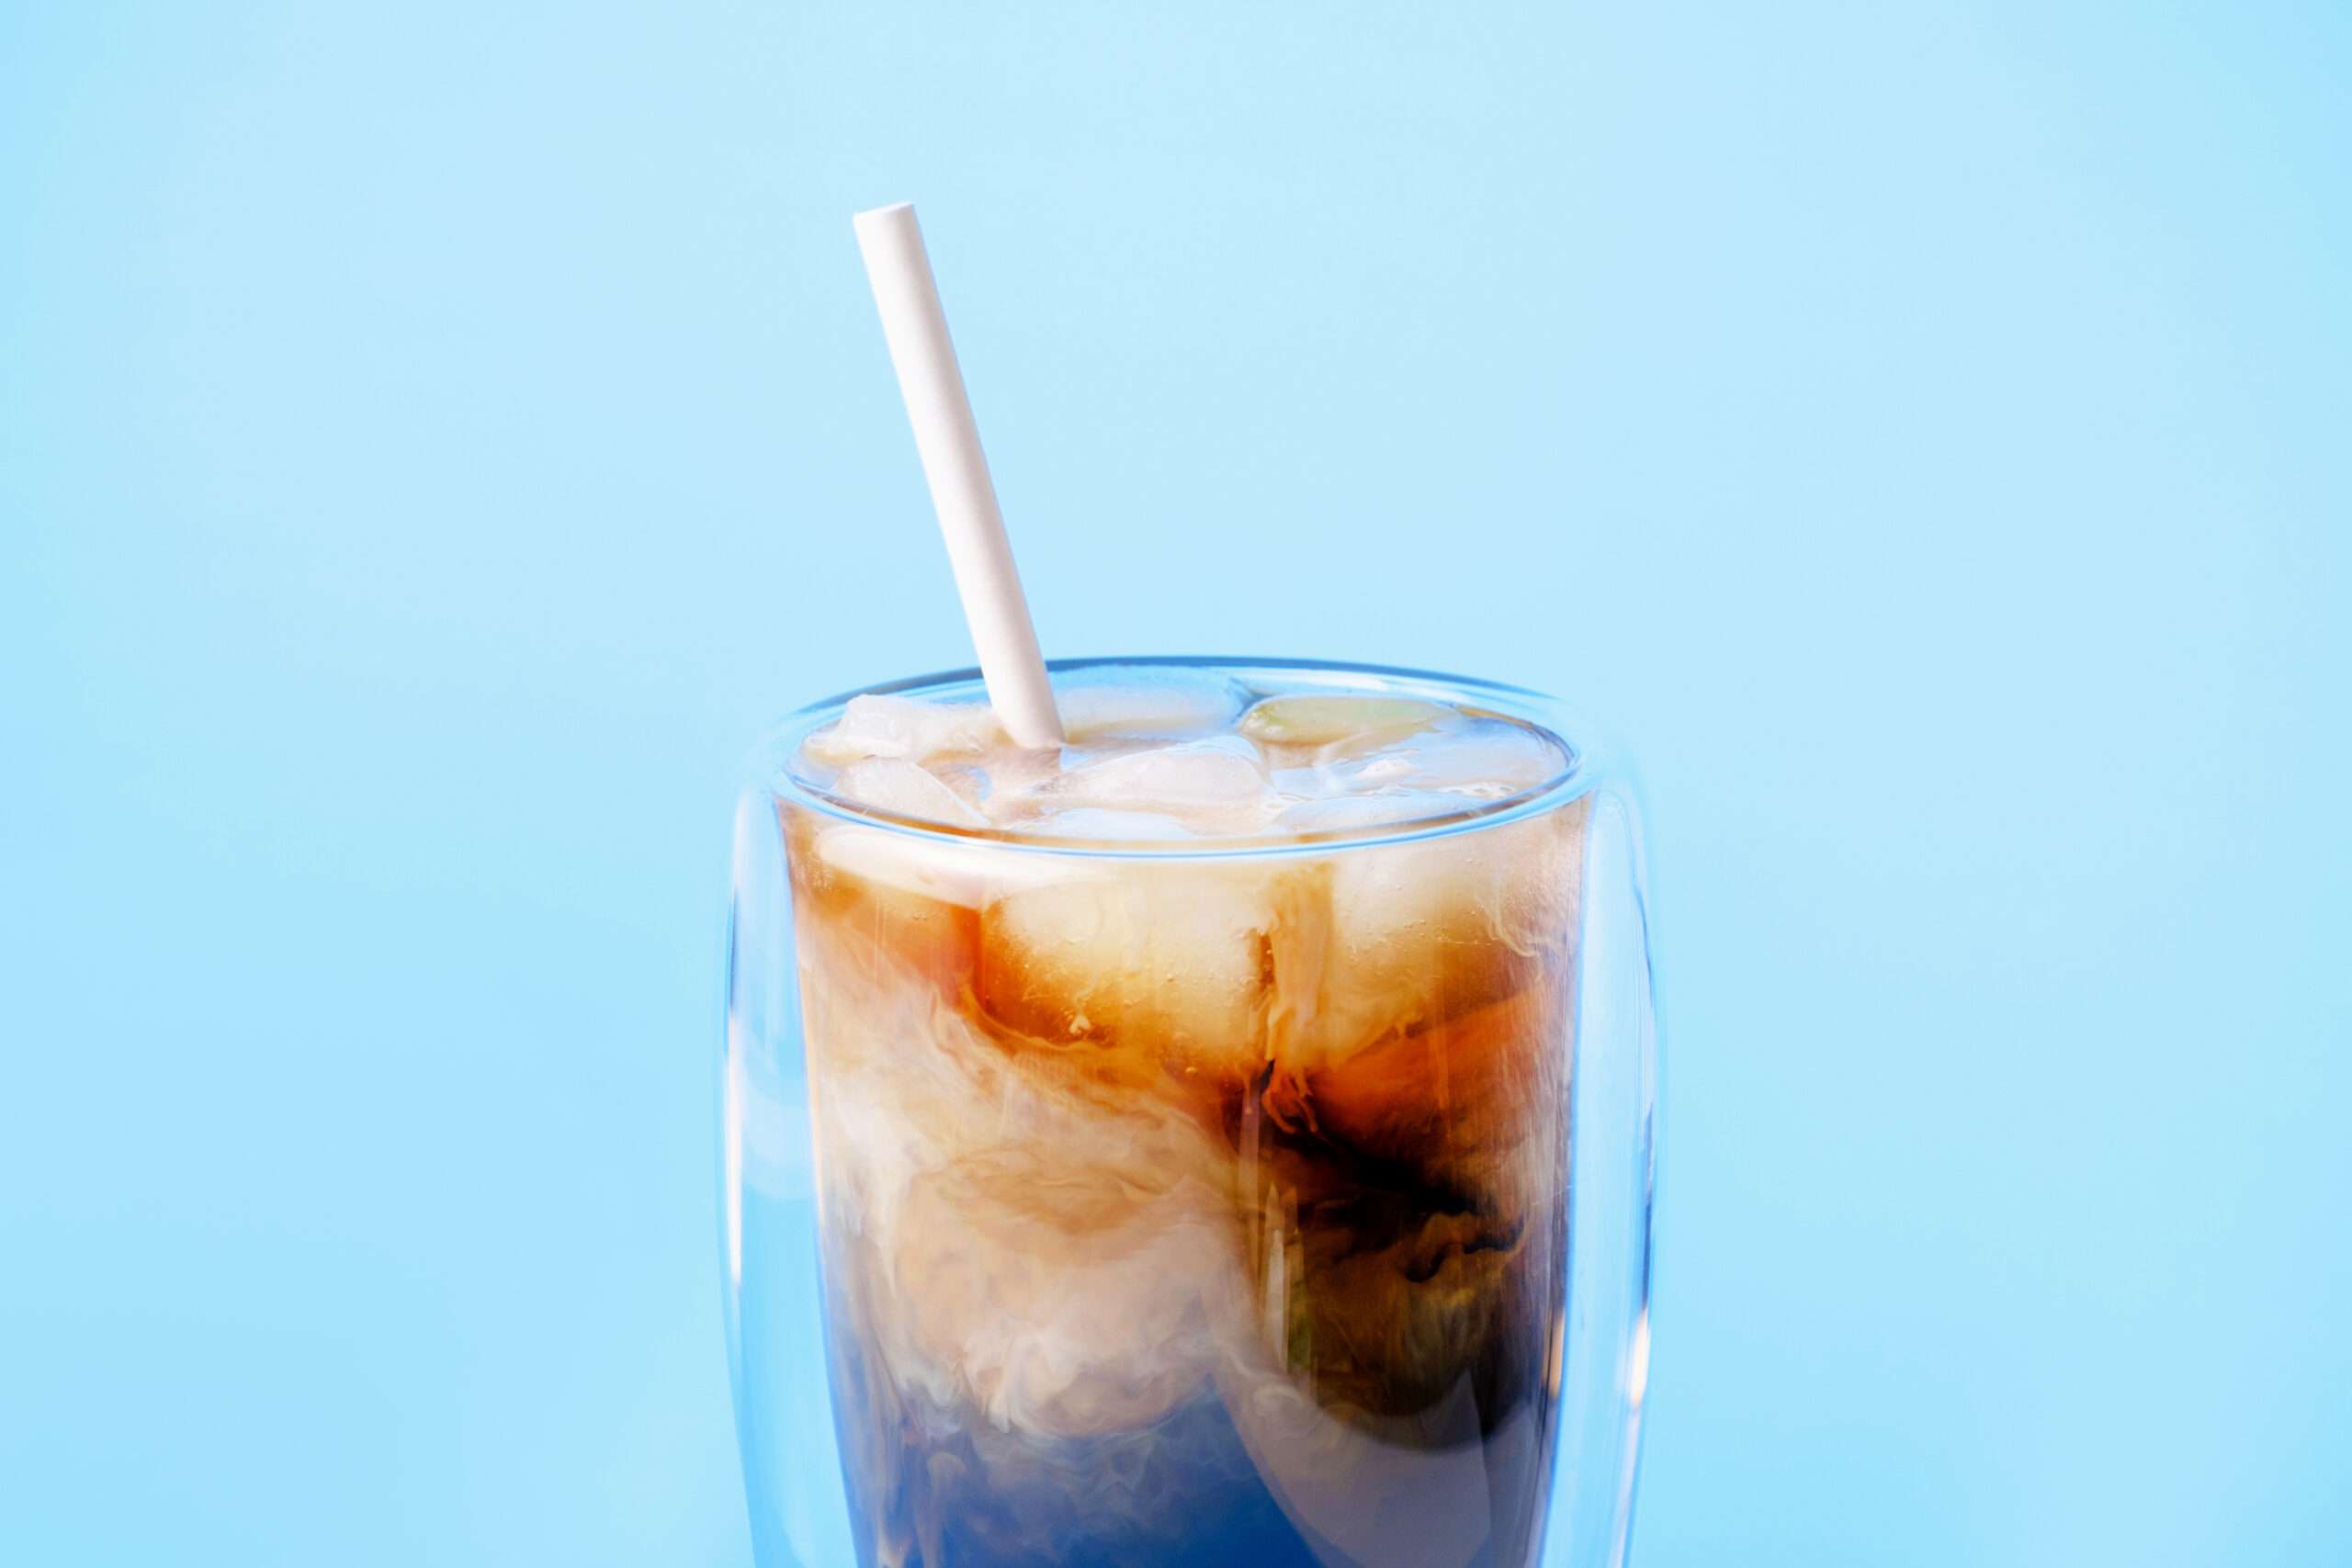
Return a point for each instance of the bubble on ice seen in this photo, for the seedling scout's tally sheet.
(896, 785)
(907, 728)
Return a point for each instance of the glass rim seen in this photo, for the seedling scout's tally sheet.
(769, 764)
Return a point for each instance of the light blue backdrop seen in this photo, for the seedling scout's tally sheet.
(436, 438)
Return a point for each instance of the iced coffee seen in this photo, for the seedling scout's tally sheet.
(1190, 1120)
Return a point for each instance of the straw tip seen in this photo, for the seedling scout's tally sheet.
(874, 214)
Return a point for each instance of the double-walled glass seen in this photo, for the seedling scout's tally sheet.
(1275, 1200)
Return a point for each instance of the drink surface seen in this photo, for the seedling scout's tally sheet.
(1179, 1205)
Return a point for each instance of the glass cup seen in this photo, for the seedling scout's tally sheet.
(1279, 1200)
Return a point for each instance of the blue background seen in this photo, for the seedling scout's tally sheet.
(436, 439)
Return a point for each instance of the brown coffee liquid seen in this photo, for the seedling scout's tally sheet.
(1181, 1209)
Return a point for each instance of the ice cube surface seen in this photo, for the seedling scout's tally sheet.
(1484, 758)
(1324, 720)
(898, 786)
(906, 726)
(1217, 784)
(1165, 958)
(1171, 754)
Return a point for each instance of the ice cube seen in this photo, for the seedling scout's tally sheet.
(970, 784)
(1425, 930)
(872, 904)
(1171, 703)
(964, 872)
(897, 786)
(1015, 779)
(897, 908)
(1337, 725)
(1212, 784)
(1487, 759)
(908, 728)
(1161, 961)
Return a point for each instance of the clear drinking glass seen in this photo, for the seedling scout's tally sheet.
(1024, 1266)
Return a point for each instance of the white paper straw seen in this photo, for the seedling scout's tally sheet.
(949, 445)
